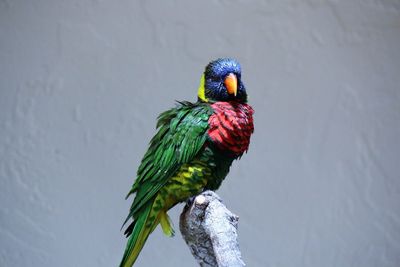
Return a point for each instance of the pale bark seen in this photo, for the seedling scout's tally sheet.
(210, 231)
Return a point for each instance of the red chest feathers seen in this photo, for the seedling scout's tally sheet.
(230, 126)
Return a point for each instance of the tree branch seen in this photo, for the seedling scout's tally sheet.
(210, 231)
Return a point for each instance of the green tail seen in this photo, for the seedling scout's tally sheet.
(141, 229)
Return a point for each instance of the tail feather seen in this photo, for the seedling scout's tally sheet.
(166, 224)
(140, 230)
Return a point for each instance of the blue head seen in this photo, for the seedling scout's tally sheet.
(222, 81)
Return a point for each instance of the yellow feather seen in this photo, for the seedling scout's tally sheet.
(179, 188)
(166, 224)
(201, 93)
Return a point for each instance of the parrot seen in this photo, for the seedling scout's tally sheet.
(191, 152)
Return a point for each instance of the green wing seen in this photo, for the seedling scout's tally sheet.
(182, 132)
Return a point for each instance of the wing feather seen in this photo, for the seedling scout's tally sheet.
(182, 132)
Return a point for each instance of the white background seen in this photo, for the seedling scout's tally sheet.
(81, 85)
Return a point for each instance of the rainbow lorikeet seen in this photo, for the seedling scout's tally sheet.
(192, 151)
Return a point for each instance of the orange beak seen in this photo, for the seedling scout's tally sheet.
(231, 84)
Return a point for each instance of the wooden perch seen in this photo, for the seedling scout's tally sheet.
(210, 231)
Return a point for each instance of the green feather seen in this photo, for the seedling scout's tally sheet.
(182, 132)
(137, 238)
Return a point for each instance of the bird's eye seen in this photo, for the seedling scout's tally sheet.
(216, 79)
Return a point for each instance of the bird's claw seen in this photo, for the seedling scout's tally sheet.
(190, 201)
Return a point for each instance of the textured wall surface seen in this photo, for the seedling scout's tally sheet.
(81, 83)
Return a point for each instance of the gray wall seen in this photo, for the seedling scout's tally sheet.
(81, 83)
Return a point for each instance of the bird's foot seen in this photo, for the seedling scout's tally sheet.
(190, 201)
